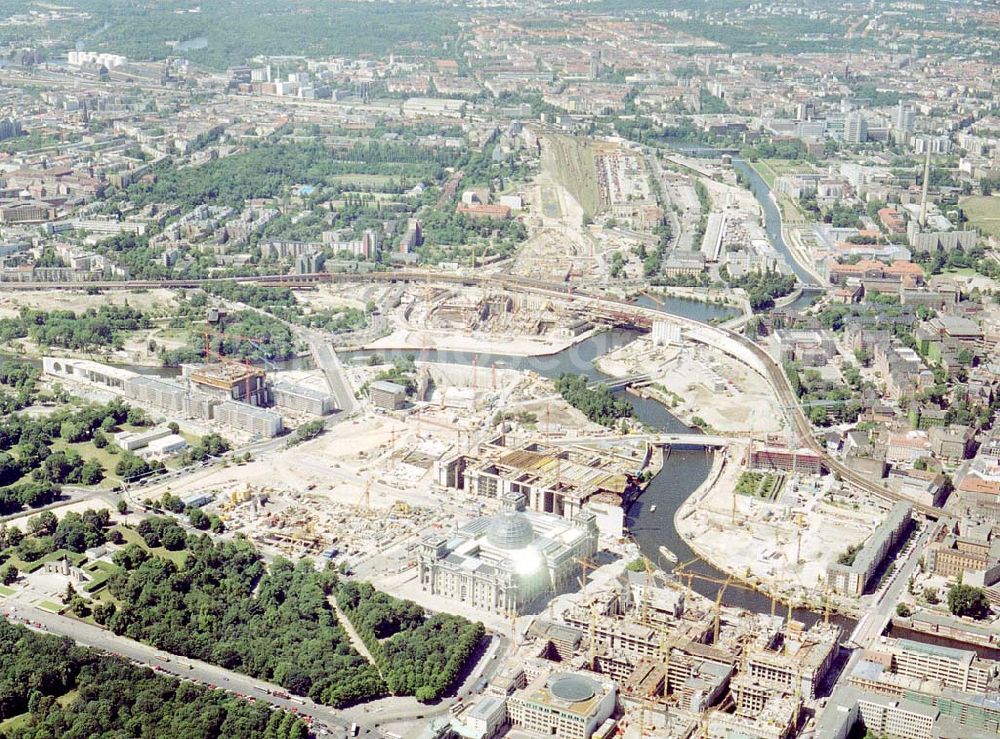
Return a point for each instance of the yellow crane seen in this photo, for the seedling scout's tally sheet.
(366, 496)
(718, 609)
(587, 564)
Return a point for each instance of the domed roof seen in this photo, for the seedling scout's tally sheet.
(511, 530)
(572, 688)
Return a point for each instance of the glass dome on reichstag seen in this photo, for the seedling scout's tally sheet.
(511, 530)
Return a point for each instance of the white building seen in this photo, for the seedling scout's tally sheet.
(166, 446)
(257, 421)
(132, 440)
(567, 705)
(502, 563)
(666, 333)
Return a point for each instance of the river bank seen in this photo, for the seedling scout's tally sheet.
(448, 341)
(799, 262)
(702, 386)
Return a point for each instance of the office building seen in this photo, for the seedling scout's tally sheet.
(387, 395)
(855, 128)
(132, 440)
(960, 669)
(794, 656)
(165, 446)
(301, 398)
(905, 120)
(783, 459)
(487, 719)
(558, 480)
(666, 333)
(249, 418)
(565, 705)
(853, 711)
(231, 381)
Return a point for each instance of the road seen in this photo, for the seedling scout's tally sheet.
(871, 625)
(327, 360)
(873, 621)
(323, 717)
(190, 669)
(484, 670)
(71, 495)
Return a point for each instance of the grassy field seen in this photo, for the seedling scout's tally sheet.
(21, 720)
(571, 162)
(772, 169)
(983, 212)
(87, 450)
(761, 485)
(131, 537)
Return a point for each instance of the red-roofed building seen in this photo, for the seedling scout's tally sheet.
(892, 220)
(900, 271)
(479, 210)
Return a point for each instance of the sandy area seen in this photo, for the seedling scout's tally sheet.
(788, 543)
(449, 340)
(338, 465)
(151, 301)
(729, 396)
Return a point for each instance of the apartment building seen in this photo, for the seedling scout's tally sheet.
(852, 579)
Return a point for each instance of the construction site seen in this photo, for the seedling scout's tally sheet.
(780, 530)
(696, 381)
(685, 665)
(474, 319)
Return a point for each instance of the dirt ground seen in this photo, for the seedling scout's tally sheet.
(155, 302)
(729, 396)
(789, 542)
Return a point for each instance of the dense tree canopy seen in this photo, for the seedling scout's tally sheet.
(101, 327)
(285, 631)
(598, 404)
(418, 655)
(114, 698)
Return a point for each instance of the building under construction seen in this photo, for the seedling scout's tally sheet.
(243, 383)
(557, 480)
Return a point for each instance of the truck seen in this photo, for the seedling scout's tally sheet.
(354, 729)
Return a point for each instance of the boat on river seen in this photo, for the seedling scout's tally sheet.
(668, 555)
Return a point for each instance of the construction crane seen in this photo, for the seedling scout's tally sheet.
(718, 609)
(245, 363)
(587, 564)
(647, 591)
(366, 496)
(592, 636)
(680, 571)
